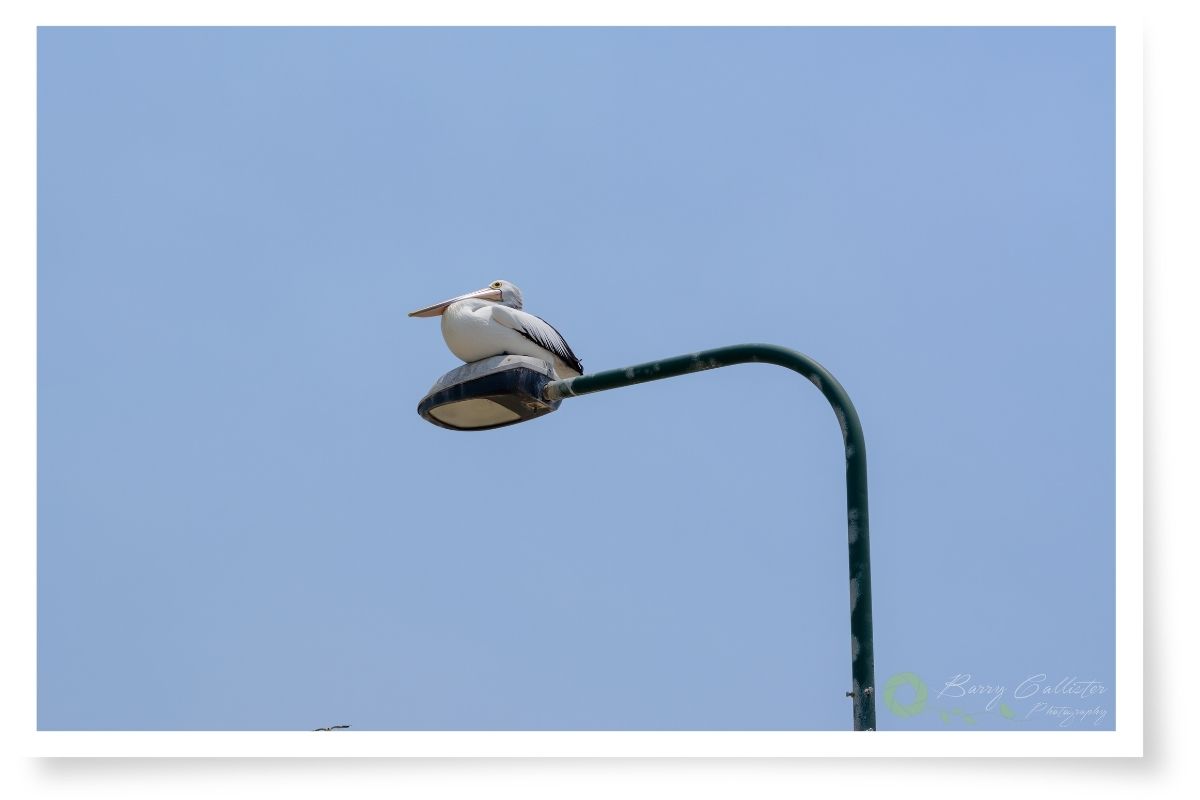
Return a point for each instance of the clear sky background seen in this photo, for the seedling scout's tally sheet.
(243, 524)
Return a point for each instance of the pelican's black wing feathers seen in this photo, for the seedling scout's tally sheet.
(538, 331)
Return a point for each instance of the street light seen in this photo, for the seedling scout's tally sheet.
(505, 390)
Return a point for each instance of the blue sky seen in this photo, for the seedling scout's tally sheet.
(243, 524)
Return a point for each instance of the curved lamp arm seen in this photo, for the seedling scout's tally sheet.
(862, 649)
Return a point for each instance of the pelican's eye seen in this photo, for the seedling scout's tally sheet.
(496, 285)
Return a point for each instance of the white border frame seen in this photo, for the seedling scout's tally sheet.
(17, 318)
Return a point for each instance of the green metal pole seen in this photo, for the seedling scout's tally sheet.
(862, 649)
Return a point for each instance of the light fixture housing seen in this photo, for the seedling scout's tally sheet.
(492, 393)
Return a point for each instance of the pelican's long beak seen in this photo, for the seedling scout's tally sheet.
(438, 308)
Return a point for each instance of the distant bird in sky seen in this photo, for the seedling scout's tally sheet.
(331, 728)
(490, 322)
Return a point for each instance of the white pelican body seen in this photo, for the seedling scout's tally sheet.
(490, 322)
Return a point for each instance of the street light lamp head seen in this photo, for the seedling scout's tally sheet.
(492, 393)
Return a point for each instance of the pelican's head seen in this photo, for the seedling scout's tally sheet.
(510, 295)
(501, 292)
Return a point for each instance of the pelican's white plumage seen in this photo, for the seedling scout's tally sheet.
(490, 322)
